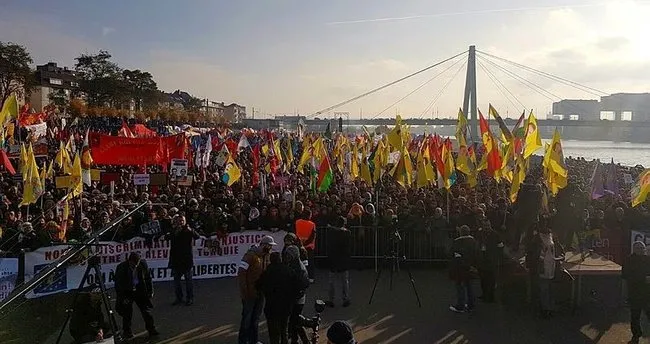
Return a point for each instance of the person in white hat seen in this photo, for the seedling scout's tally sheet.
(250, 269)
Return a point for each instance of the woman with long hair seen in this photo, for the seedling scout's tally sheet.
(301, 282)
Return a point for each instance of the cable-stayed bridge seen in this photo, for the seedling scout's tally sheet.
(587, 125)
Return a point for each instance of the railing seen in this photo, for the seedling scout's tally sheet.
(416, 244)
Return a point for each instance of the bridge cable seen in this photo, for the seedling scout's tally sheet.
(500, 86)
(384, 86)
(565, 81)
(442, 90)
(536, 88)
(420, 87)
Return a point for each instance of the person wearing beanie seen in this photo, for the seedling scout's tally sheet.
(636, 272)
(340, 332)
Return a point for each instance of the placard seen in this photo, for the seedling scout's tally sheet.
(141, 179)
(178, 169)
(150, 228)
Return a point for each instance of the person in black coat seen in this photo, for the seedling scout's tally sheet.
(339, 256)
(636, 271)
(277, 283)
(181, 259)
(133, 284)
(463, 263)
(491, 251)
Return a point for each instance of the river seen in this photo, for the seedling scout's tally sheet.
(625, 153)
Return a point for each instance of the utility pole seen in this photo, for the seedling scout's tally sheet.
(470, 94)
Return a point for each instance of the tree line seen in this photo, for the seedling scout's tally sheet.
(104, 88)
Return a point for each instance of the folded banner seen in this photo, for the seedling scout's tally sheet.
(117, 150)
(213, 258)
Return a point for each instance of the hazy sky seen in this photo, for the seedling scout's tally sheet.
(305, 55)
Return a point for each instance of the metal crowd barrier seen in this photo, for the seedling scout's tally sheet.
(369, 242)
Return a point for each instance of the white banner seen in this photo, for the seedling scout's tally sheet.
(209, 261)
(8, 274)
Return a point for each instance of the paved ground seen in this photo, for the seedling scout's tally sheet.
(393, 317)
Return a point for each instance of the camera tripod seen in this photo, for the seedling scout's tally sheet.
(94, 266)
(393, 259)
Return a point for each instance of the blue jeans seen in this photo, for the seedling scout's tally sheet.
(464, 294)
(189, 288)
(250, 320)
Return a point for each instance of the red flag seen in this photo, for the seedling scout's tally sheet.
(7, 164)
(491, 147)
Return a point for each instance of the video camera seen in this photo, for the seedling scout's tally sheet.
(313, 323)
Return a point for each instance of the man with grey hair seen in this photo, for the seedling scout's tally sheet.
(636, 271)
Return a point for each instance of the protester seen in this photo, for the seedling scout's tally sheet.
(133, 285)
(462, 266)
(181, 260)
(301, 283)
(306, 232)
(339, 258)
(636, 271)
(251, 268)
(547, 254)
(277, 284)
(491, 252)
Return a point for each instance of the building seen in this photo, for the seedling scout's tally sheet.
(235, 113)
(582, 109)
(212, 109)
(52, 80)
(626, 107)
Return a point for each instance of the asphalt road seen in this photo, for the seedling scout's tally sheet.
(393, 317)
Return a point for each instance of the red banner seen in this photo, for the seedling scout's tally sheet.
(116, 150)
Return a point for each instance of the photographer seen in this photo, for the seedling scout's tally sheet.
(339, 256)
(301, 283)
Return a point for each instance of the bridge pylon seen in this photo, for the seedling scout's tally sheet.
(470, 106)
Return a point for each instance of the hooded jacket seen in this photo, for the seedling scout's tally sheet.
(250, 269)
(292, 259)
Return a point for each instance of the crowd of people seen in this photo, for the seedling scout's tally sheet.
(210, 207)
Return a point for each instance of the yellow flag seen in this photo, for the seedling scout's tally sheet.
(231, 172)
(533, 139)
(277, 151)
(518, 178)
(76, 181)
(640, 191)
(9, 110)
(555, 172)
(63, 159)
(354, 163)
(424, 169)
(365, 168)
(461, 125)
(32, 187)
(403, 170)
(395, 135)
